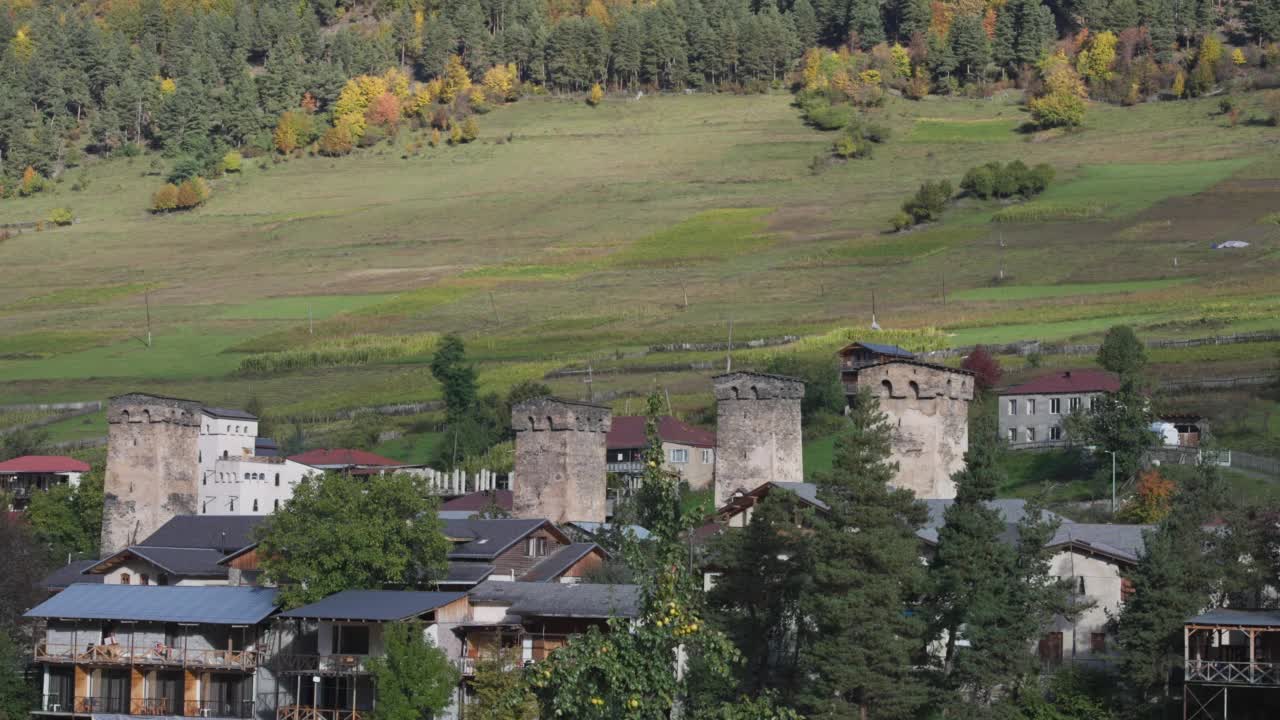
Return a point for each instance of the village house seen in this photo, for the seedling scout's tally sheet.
(515, 549)
(1231, 665)
(132, 650)
(1031, 414)
(688, 451)
(20, 477)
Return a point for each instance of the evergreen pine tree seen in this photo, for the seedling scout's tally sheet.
(866, 573)
(867, 23)
(969, 45)
(806, 23)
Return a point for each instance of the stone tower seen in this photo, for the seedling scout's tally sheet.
(560, 460)
(152, 466)
(928, 409)
(757, 432)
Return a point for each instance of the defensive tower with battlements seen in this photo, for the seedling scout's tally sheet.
(560, 460)
(758, 437)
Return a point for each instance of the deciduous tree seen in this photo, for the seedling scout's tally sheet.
(68, 520)
(415, 678)
(985, 368)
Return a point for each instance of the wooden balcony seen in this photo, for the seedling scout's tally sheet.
(154, 707)
(124, 656)
(322, 664)
(1223, 672)
(307, 712)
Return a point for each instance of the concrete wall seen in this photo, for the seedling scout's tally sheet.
(1102, 587)
(223, 438)
(758, 437)
(560, 460)
(250, 485)
(698, 471)
(1031, 418)
(928, 411)
(152, 466)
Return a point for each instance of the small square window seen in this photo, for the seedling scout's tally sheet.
(1031, 434)
(707, 457)
(1013, 434)
(679, 456)
(1075, 404)
(1098, 643)
(536, 547)
(1055, 432)
(1055, 406)
(1031, 406)
(1013, 407)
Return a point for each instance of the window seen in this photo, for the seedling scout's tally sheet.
(352, 639)
(1055, 406)
(1013, 434)
(144, 579)
(536, 547)
(1093, 403)
(255, 505)
(1013, 407)
(275, 504)
(125, 579)
(224, 455)
(1031, 406)
(1031, 434)
(679, 456)
(1126, 589)
(205, 480)
(204, 507)
(1080, 587)
(707, 457)
(277, 479)
(1051, 649)
(1055, 432)
(1098, 643)
(1075, 403)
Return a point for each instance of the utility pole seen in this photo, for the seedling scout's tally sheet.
(591, 388)
(874, 325)
(497, 319)
(1113, 481)
(728, 360)
(311, 322)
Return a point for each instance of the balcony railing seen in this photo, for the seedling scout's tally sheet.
(218, 709)
(242, 710)
(633, 468)
(160, 656)
(467, 665)
(1233, 673)
(307, 712)
(334, 664)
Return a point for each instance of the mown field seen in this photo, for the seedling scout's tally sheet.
(570, 236)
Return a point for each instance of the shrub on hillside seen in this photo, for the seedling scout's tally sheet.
(192, 193)
(32, 182)
(336, 141)
(231, 162)
(929, 201)
(858, 138)
(597, 95)
(1004, 181)
(61, 216)
(165, 199)
(1062, 104)
(470, 129)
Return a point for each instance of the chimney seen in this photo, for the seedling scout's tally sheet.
(1067, 374)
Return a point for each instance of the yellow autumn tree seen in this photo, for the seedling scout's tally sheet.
(397, 83)
(597, 95)
(357, 94)
(1095, 61)
(499, 82)
(814, 79)
(1179, 85)
(167, 86)
(596, 9)
(1062, 103)
(1237, 57)
(455, 81)
(21, 44)
(901, 60)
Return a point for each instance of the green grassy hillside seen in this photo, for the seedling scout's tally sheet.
(569, 235)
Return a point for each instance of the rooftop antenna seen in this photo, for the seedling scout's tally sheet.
(874, 325)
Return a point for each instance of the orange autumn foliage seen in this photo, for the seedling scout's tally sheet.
(384, 111)
(1154, 497)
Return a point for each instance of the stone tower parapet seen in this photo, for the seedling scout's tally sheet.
(758, 438)
(152, 466)
(560, 460)
(928, 410)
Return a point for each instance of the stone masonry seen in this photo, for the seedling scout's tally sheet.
(152, 466)
(928, 409)
(758, 437)
(560, 460)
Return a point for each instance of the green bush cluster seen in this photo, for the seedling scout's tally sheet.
(1005, 181)
(926, 205)
(818, 111)
(858, 139)
(61, 216)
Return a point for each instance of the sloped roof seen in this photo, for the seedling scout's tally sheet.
(196, 562)
(878, 348)
(229, 413)
(480, 500)
(1067, 381)
(486, 539)
(1123, 542)
(70, 574)
(1245, 618)
(467, 573)
(374, 605)
(580, 600)
(554, 565)
(591, 528)
(43, 464)
(628, 431)
(212, 604)
(342, 457)
(225, 533)
(1012, 511)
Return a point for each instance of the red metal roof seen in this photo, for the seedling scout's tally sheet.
(43, 464)
(1067, 381)
(480, 500)
(627, 431)
(342, 457)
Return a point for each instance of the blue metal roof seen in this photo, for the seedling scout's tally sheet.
(215, 605)
(374, 605)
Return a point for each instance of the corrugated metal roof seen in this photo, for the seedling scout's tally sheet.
(806, 491)
(581, 600)
(43, 464)
(1227, 616)
(374, 605)
(628, 431)
(71, 574)
(467, 573)
(1121, 540)
(592, 528)
(211, 604)
(490, 537)
(555, 564)
(226, 533)
(178, 561)
(1067, 381)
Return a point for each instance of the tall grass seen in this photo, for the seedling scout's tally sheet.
(1044, 211)
(340, 352)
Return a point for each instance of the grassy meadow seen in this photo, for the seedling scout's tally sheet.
(569, 236)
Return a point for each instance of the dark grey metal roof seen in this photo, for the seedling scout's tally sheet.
(211, 604)
(374, 605)
(230, 413)
(887, 349)
(226, 533)
(1013, 510)
(201, 562)
(467, 573)
(71, 574)
(592, 528)
(490, 537)
(805, 491)
(1228, 616)
(555, 564)
(580, 600)
(266, 447)
(1121, 541)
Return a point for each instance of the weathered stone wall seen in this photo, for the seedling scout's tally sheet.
(152, 466)
(928, 409)
(758, 437)
(560, 460)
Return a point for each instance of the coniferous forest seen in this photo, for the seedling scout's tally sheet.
(196, 79)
